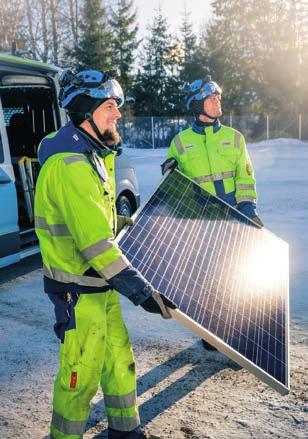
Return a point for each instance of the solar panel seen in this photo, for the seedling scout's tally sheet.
(227, 276)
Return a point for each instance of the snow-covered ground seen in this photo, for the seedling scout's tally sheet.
(184, 391)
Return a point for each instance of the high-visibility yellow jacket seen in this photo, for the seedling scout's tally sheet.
(75, 218)
(218, 160)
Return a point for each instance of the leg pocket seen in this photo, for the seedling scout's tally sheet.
(64, 307)
(93, 347)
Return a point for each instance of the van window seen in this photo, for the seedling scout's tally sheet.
(8, 113)
(29, 115)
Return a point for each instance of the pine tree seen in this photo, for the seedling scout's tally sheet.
(158, 77)
(278, 78)
(226, 52)
(174, 62)
(253, 50)
(189, 47)
(94, 47)
(124, 44)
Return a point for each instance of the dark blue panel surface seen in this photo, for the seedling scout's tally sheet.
(220, 269)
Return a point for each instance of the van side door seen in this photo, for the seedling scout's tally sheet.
(9, 230)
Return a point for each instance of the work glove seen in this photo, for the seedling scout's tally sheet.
(158, 304)
(138, 290)
(249, 209)
(169, 165)
(258, 221)
(123, 221)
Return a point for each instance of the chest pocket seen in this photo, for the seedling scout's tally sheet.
(192, 152)
(194, 162)
(229, 152)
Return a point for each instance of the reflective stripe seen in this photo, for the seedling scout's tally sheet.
(179, 145)
(122, 401)
(115, 267)
(76, 158)
(214, 177)
(79, 279)
(237, 139)
(123, 424)
(66, 426)
(96, 249)
(245, 187)
(248, 198)
(54, 229)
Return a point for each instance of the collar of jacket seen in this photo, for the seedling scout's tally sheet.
(95, 144)
(200, 127)
(67, 139)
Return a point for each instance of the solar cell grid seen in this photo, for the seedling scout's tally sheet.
(226, 275)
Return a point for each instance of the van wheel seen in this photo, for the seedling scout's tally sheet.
(124, 206)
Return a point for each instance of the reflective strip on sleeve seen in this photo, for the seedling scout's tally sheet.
(214, 177)
(237, 139)
(123, 424)
(66, 426)
(76, 158)
(122, 401)
(54, 229)
(96, 249)
(179, 145)
(79, 279)
(115, 267)
(245, 187)
(248, 198)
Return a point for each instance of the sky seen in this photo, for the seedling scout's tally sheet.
(172, 10)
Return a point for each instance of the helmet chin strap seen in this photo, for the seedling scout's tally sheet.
(204, 113)
(99, 135)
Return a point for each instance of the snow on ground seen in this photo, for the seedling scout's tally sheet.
(184, 391)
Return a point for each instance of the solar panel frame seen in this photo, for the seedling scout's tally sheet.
(207, 335)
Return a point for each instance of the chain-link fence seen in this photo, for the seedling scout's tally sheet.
(151, 132)
(157, 132)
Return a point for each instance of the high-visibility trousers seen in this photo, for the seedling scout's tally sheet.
(96, 351)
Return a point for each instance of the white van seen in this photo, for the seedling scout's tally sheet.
(28, 112)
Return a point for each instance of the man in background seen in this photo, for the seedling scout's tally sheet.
(215, 156)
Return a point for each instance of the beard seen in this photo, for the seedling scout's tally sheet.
(111, 137)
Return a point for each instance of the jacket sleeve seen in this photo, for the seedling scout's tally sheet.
(85, 214)
(245, 183)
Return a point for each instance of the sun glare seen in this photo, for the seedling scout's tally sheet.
(264, 266)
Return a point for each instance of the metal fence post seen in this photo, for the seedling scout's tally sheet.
(300, 127)
(267, 127)
(152, 124)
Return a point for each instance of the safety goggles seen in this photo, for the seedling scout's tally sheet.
(110, 89)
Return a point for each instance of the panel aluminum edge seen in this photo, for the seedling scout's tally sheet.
(227, 350)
